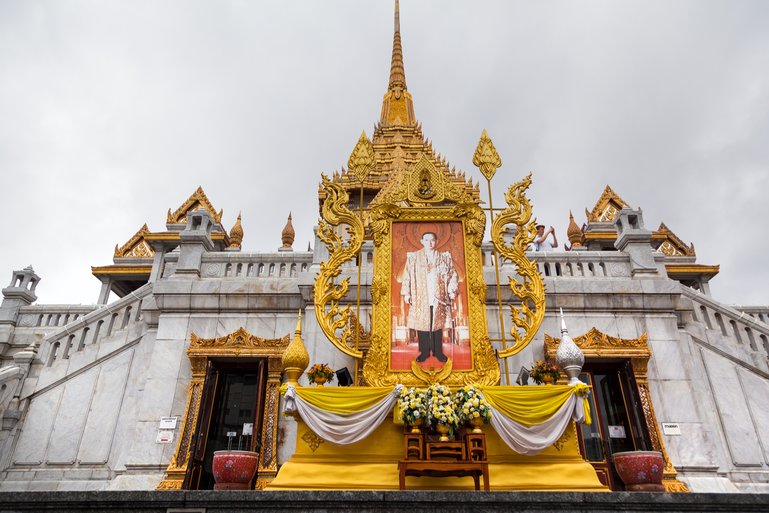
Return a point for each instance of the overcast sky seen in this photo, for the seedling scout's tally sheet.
(111, 112)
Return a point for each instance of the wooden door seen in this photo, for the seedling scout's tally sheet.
(198, 450)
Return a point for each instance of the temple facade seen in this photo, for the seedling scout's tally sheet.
(137, 393)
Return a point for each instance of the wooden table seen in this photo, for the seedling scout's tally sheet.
(443, 468)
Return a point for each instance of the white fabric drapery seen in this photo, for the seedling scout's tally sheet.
(530, 440)
(341, 429)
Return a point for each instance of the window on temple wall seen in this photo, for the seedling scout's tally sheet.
(52, 355)
(272, 269)
(126, 317)
(111, 324)
(282, 269)
(239, 270)
(369, 258)
(98, 329)
(751, 339)
(304, 267)
(227, 269)
(250, 270)
(67, 347)
(736, 331)
(293, 269)
(260, 270)
(40, 320)
(721, 325)
(81, 344)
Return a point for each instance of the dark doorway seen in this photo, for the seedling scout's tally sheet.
(232, 403)
(617, 418)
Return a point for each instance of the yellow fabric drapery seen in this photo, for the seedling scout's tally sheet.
(534, 405)
(343, 400)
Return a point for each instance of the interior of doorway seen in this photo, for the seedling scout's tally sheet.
(232, 406)
(617, 421)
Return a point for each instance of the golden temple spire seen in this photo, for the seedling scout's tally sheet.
(397, 72)
(397, 106)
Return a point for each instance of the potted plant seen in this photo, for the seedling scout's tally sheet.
(641, 471)
(320, 373)
(412, 404)
(234, 469)
(472, 408)
(544, 371)
(441, 413)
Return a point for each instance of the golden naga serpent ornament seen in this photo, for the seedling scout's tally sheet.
(531, 291)
(331, 318)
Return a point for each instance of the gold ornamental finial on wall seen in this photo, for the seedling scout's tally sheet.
(287, 235)
(486, 157)
(574, 233)
(362, 158)
(295, 357)
(236, 234)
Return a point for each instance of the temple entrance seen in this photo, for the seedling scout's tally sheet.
(231, 413)
(617, 421)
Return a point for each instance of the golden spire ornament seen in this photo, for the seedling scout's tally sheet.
(236, 234)
(486, 157)
(295, 358)
(362, 158)
(287, 235)
(574, 233)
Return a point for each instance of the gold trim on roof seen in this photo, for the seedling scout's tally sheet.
(607, 207)
(197, 200)
(121, 269)
(672, 245)
(136, 247)
(596, 345)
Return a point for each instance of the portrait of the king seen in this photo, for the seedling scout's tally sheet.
(429, 296)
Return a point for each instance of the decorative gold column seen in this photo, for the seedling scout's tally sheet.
(597, 345)
(240, 343)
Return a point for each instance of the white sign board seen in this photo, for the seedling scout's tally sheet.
(164, 437)
(168, 422)
(671, 428)
(248, 428)
(231, 434)
(616, 431)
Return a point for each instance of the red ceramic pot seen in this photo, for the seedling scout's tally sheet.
(234, 470)
(641, 471)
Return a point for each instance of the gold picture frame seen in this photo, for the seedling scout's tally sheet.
(399, 207)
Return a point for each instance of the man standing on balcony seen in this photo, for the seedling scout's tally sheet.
(429, 287)
(540, 241)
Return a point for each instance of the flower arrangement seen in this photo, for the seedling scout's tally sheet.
(412, 404)
(470, 405)
(440, 407)
(544, 372)
(320, 372)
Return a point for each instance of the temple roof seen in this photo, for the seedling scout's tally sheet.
(196, 201)
(398, 141)
(136, 247)
(607, 207)
(671, 245)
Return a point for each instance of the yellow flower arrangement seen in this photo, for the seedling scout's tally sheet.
(440, 407)
(413, 406)
(542, 369)
(320, 371)
(470, 405)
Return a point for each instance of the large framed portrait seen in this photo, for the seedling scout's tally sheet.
(428, 297)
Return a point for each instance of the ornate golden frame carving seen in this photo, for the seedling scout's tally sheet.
(597, 345)
(397, 207)
(240, 343)
(333, 320)
(531, 290)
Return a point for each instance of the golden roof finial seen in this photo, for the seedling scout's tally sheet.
(486, 157)
(574, 233)
(362, 158)
(236, 234)
(397, 107)
(295, 357)
(288, 234)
